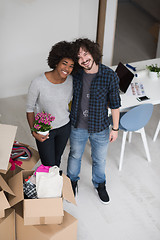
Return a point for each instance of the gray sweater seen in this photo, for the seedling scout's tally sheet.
(51, 98)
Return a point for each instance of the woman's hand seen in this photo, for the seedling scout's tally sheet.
(39, 137)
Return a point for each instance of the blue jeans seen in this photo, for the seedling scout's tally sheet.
(99, 143)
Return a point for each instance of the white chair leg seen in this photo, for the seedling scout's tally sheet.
(122, 150)
(130, 137)
(156, 132)
(142, 131)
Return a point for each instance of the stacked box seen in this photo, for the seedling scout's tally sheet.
(22, 218)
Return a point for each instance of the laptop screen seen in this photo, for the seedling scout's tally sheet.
(125, 76)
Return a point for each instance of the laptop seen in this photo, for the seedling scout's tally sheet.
(125, 76)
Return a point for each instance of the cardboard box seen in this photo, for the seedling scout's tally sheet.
(8, 133)
(7, 225)
(67, 230)
(40, 211)
(4, 192)
(35, 211)
(3, 204)
(30, 163)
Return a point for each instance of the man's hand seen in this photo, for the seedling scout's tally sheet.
(113, 136)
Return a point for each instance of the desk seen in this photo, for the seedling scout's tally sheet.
(151, 87)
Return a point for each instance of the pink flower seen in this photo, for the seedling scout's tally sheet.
(43, 121)
(36, 126)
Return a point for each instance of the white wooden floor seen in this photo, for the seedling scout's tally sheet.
(134, 210)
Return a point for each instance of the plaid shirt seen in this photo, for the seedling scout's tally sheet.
(104, 92)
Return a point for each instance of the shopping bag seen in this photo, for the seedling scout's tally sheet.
(49, 185)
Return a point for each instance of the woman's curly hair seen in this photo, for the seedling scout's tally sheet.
(59, 51)
(90, 46)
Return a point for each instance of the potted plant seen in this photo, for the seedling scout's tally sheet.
(154, 71)
(42, 123)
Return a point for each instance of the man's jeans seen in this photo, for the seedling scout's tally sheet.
(99, 143)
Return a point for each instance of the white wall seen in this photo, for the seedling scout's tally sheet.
(28, 30)
(109, 31)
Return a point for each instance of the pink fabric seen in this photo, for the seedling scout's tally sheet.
(14, 163)
(42, 168)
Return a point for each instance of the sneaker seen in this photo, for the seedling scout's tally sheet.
(102, 193)
(74, 187)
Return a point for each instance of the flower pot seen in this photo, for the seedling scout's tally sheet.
(43, 133)
(153, 75)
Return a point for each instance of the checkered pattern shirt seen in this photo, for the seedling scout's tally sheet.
(104, 92)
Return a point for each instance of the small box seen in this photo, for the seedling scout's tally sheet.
(66, 230)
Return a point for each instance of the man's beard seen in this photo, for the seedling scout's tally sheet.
(89, 68)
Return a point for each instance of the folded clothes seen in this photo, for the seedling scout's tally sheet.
(20, 151)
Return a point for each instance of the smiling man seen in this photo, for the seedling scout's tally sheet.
(95, 88)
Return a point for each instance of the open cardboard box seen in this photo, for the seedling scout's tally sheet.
(34, 210)
(40, 211)
(30, 163)
(7, 215)
(8, 133)
(27, 164)
(66, 230)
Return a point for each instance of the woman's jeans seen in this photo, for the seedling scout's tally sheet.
(99, 143)
(51, 149)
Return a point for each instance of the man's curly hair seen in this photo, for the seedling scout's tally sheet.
(59, 51)
(89, 46)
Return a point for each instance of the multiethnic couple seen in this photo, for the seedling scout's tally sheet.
(76, 75)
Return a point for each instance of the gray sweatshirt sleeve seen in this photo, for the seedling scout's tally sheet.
(33, 93)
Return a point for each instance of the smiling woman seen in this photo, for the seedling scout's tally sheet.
(62, 70)
(51, 92)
